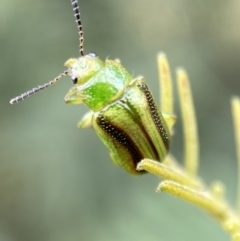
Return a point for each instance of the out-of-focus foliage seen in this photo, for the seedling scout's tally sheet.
(57, 182)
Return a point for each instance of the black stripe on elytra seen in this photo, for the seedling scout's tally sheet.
(149, 140)
(155, 114)
(121, 137)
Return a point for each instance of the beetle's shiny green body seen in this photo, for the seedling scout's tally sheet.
(125, 115)
(123, 111)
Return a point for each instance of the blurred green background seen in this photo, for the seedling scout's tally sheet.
(57, 183)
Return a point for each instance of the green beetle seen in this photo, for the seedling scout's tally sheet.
(123, 111)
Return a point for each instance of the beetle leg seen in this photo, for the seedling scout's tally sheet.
(86, 121)
(73, 96)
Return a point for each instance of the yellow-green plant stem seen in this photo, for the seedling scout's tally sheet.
(217, 208)
(183, 182)
(169, 173)
(235, 101)
(189, 123)
(194, 191)
(166, 89)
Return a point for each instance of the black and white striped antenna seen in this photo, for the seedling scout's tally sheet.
(55, 80)
(79, 25)
(36, 89)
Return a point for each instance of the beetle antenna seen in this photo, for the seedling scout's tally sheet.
(36, 89)
(79, 24)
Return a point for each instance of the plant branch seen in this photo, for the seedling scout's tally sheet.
(183, 182)
(166, 89)
(235, 101)
(189, 123)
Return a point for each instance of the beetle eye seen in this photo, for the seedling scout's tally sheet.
(92, 54)
(74, 80)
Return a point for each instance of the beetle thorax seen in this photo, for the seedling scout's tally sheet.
(97, 83)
